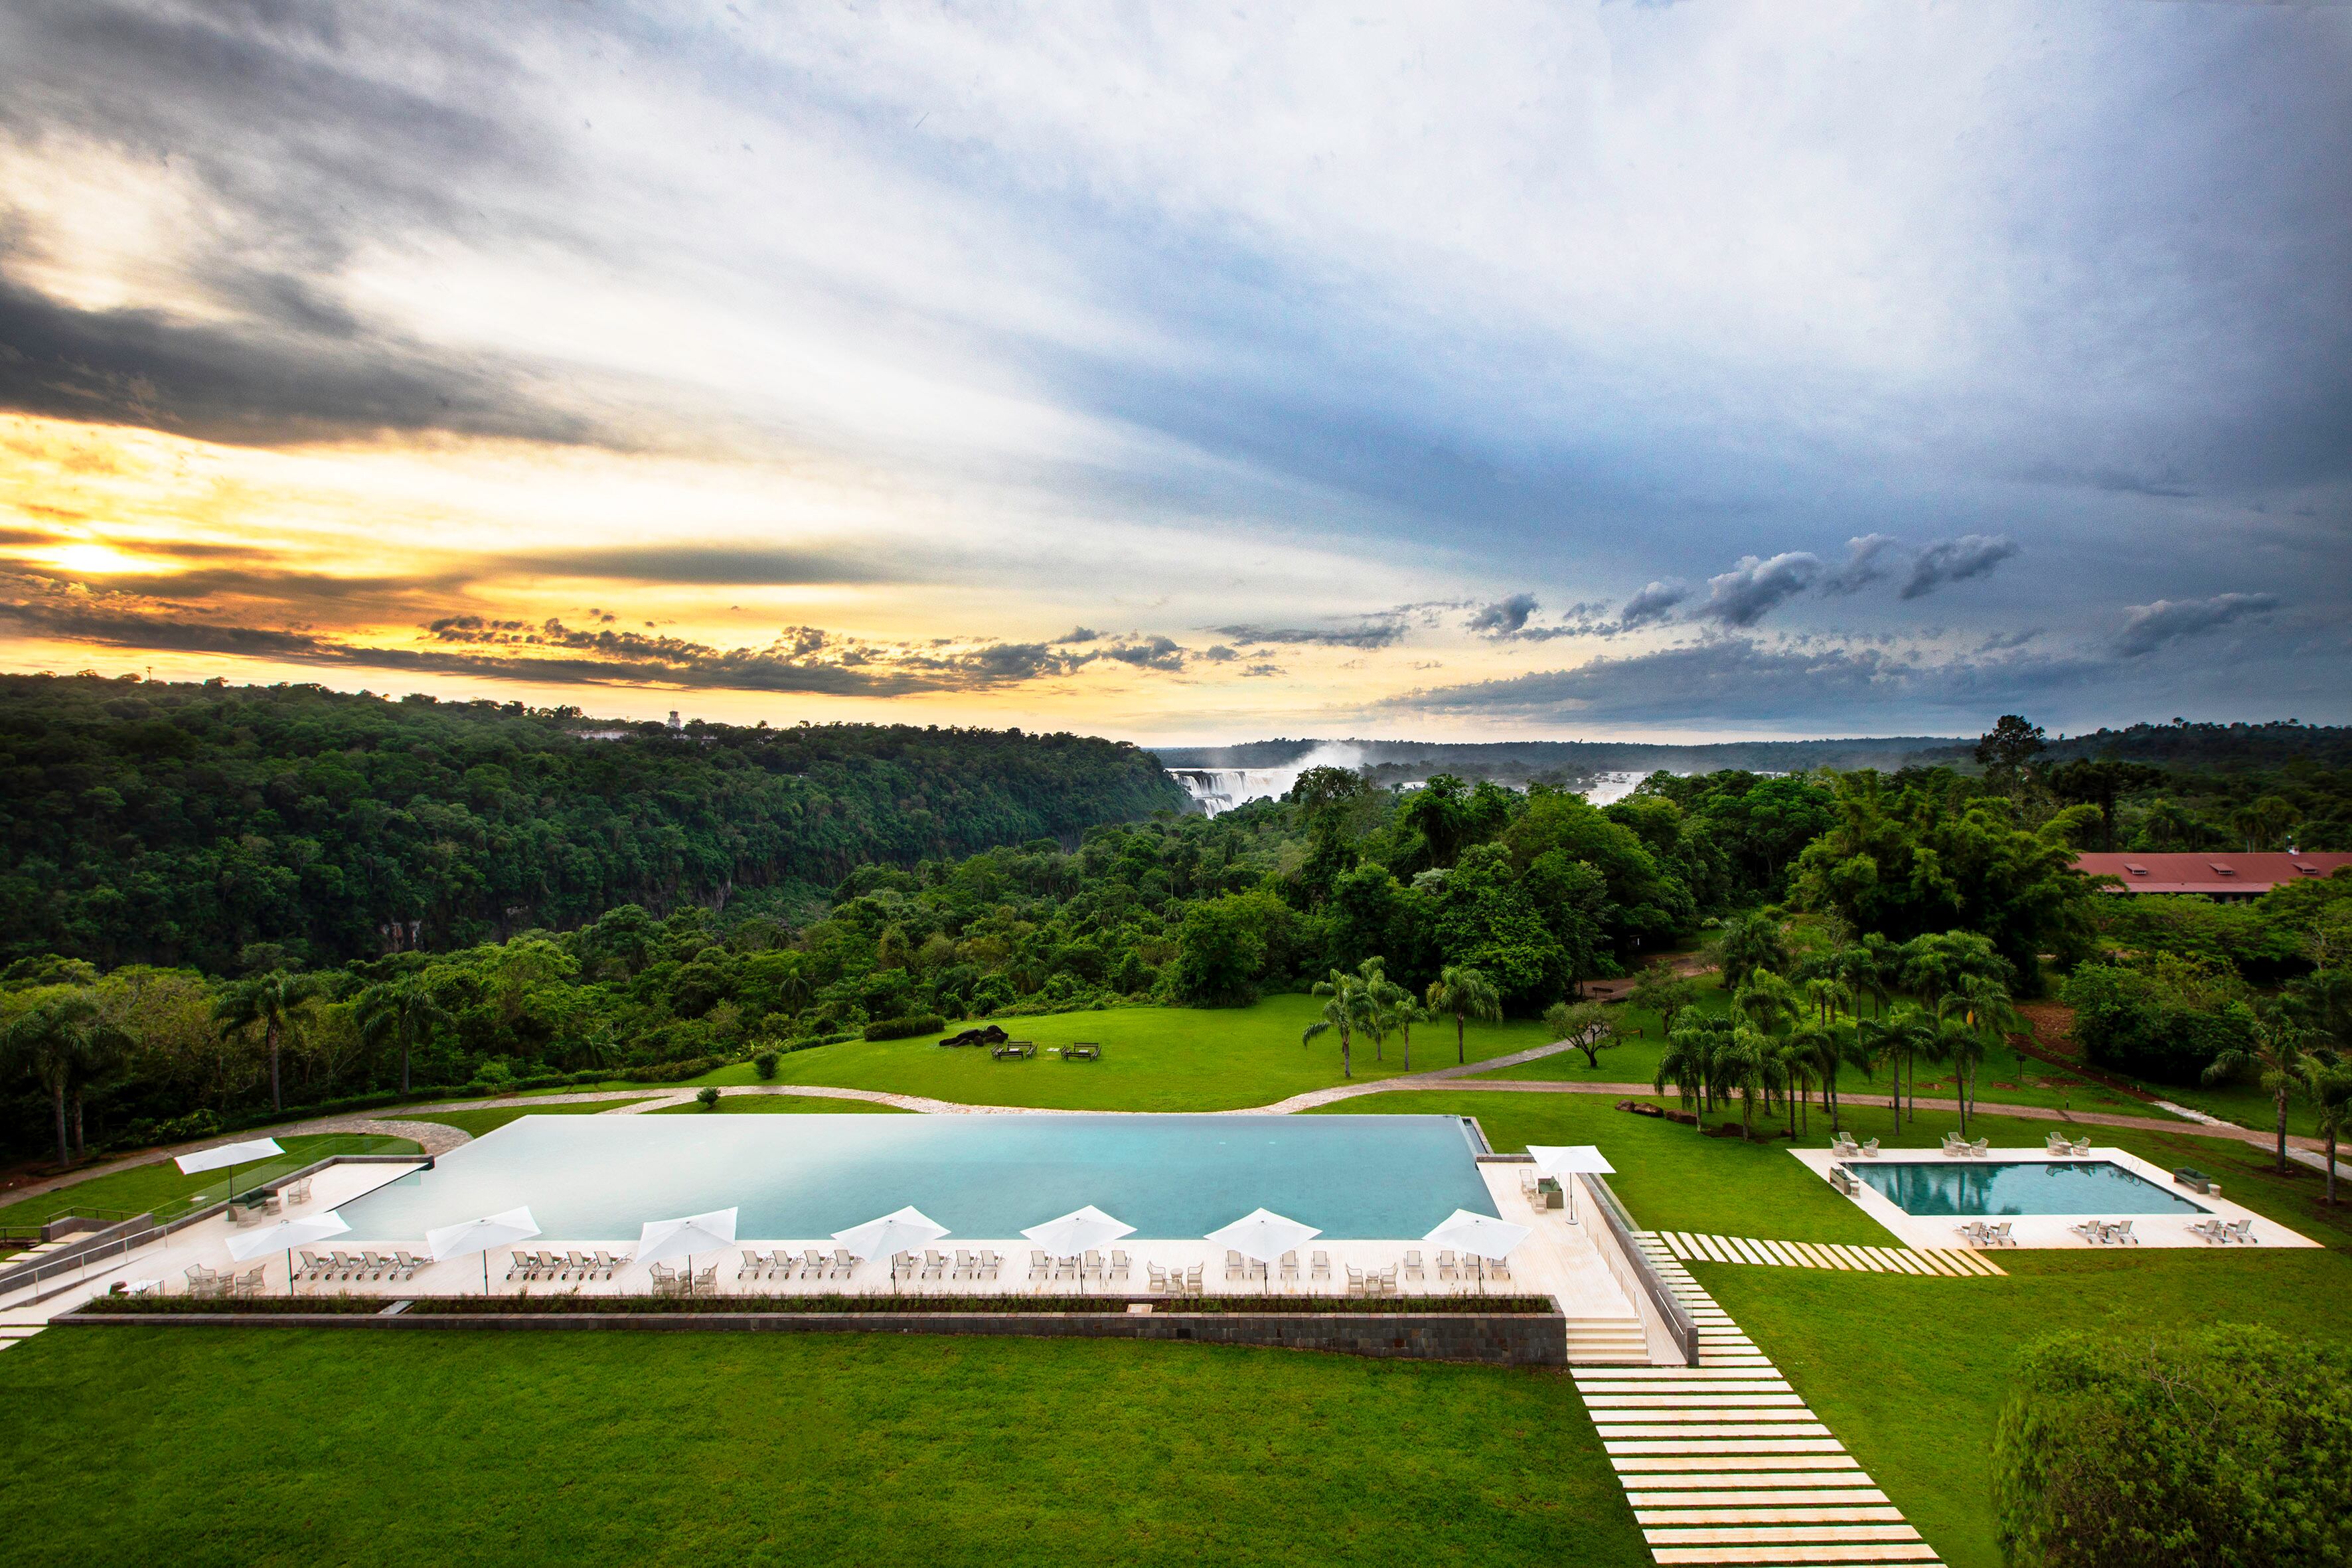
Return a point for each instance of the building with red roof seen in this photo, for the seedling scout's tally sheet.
(2215, 874)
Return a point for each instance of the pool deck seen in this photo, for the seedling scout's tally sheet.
(1563, 1261)
(2046, 1231)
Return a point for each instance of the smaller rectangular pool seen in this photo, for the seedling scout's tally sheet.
(2059, 1187)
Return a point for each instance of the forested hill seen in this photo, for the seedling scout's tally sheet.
(148, 822)
(1513, 760)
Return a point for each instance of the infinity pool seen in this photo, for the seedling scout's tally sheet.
(596, 1178)
(2093, 1187)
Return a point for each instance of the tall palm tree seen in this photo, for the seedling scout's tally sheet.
(1897, 1039)
(401, 1010)
(1378, 1017)
(1462, 994)
(2276, 1050)
(1687, 1063)
(58, 1041)
(2331, 1093)
(1743, 1065)
(1400, 1010)
(1344, 1009)
(270, 1003)
(1767, 1001)
(1750, 942)
(1972, 1016)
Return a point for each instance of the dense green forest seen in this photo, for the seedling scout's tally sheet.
(167, 824)
(1914, 880)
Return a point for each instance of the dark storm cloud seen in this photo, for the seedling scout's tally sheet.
(1653, 604)
(1367, 634)
(1956, 561)
(1865, 562)
(1505, 617)
(2147, 628)
(712, 564)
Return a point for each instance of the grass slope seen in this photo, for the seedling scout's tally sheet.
(290, 1446)
(1154, 1058)
(148, 1186)
(1911, 1372)
(490, 1118)
(782, 1105)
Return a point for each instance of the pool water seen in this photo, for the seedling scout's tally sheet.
(594, 1178)
(2089, 1187)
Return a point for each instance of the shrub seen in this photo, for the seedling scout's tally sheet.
(2224, 1448)
(905, 1029)
(765, 1064)
(669, 1072)
(708, 1098)
(2135, 1022)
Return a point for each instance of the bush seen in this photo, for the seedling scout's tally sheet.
(708, 1098)
(765, 1064)
(2132, 1022)
(905, 1029)
(669, 1072)
(2224, 1448)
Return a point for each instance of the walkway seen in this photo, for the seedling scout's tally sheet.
(1946, 1260)
(1723, 1462)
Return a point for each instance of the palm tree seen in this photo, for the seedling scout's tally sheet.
(1750, 942)
(1743, 1065)
(1897, 1039)
(1379, 1017)
(58, 1041)
(1462, 992)
(1400, 1010)
(1688, 1062)
(272, 1004)
(1970, 1015)
(402, 1010)
(1818, 1043)
(1768, 1001)
(2331, 1093)
(1862, 967)
(1347, 1008)
(2276, 1050)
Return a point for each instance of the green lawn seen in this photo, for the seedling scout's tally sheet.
(490, 1118)
(1154, 1058)
(159, 1183)
(1911, 1372)
(291, 1446)
(782, 1105)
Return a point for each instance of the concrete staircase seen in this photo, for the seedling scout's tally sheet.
(1724, 1463)
(1606, 1342)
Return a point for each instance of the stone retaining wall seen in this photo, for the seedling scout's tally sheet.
(1494, 1339)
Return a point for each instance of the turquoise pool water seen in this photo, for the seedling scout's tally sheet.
(594, 1178)
(2091, 1186)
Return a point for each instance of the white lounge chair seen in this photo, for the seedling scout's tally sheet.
(1955, 1146)
(1040, 1265)
(1194, 1282)
(1233, 1268)
(1998, 1235)
(1412, 1263)
(1472, 1272)
(844, 1265)
(706, 1282)
(935, 1264)
(1870, 1149)
(1117, 1270)
(988, 1264)
(755, 1265)
(524, 1265)
(1980, 1148)
(295, 1193)
(1447, 1267)
(1975, 1232)
(966, 1265)
(1290, 1269)
(902, 1266)
(1092, 1267)
(1355, 1280)
(1498, 1268)
(1319, 1265)
(2120, 1234)
(2056, 1143)
(2214, 1231)
(2240, 1230)
(1158, 1276)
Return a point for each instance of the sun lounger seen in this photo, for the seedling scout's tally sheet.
(1412, 1263)
(523, 1267)
(1232, 1264)
(378, 1265)
(1975, 1233)
(2240, 1230)
(935, 1264)
(1319, 1265)
(1447, 1267)
(1259, 1272)
(754, 1263)
(966, 1265)
(812, 1264)
(2120, 1234)
(1117, 1270)
(1041, 1267)
(1498, 1268)
(1290, 1269)
(2214, 1230)
(902, 1266)
(989, 1262)
(1473, 1267)
(406, 1264)
(1066, 1268)
(1094, 1264)
(843, 1264)
(1998, 1235)
(1978, 1148)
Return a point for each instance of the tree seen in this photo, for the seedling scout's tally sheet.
(1690, 1057)
(1397, 1006)
(2331, 1095)
(2275, 1050)
(270, 1003)
(1661, 989)
(1968, 1017)
(1897, 1040)
(1587, 1026)
(2008, 751)
(1462, 993)
(1346, 1008)
(1748, 943)
(402, 1011)
(59, 1040)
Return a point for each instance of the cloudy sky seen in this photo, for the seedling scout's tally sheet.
(1480, 371)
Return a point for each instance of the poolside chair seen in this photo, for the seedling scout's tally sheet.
(1998, 1235)
(1290, 1269)
(2082, 1147)
(2214, 1231)
(754, 1263)
(902, 1266)
(1117, 1270)
(378, 1265)
(311, 1265)
(1954, 1145)
(1980, 1148)
(2094, 1231)
(1041, 1267)
(1355, 1280)
(706, 1282)
(2120, 1234)
(1870, 1149)
(1843, 1144)
(1093, 1268)
(966, 1265)
(1447, 1267)
(1412, 1263)
(935, 1264)
(1233, 1269)
(1194, 1284)
(1974, 1233)
(2056, 1143)
(1158, 1277)
(1260, 1272)
(249, 1282)
(523, 1267)
(1066, 1269)
(295, 1193)
(1319, 1265)
(843, 1264)
(1473, 1268)
(2240, 1230)
(580, 1265)
(989, 1262)
(606, 1263)
(813, 1265)
(407, 1263)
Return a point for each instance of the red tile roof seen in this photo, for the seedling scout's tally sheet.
(2210, 871)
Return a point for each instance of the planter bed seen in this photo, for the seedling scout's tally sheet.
(799, 1306)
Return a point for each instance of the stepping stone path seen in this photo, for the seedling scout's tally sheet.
(1686, 1244)
(1724, 1463)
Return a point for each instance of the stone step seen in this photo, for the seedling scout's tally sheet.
(1686, 1401)
(1851, 1555)
(1722, 1516)
(1705, 1447)
(1733, 1491)
(1754, 1469)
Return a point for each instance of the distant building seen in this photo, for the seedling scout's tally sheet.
(2215, 874)
(674, 719)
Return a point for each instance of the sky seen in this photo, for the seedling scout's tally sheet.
(1642, 371)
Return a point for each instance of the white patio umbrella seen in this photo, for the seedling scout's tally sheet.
(481, 1235)
(286, 1234)
(1562, 1160)
(229, 1154)
(891, 1235)
(1481, 1235)
(1263, 1236)
(1077, 1231)
(661, 1239)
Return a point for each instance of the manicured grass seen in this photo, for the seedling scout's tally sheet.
(1911, 1372)
(1154, 1058)
(159, 1181)
(293, 1446)
(490, 1118)
(782, 1105)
